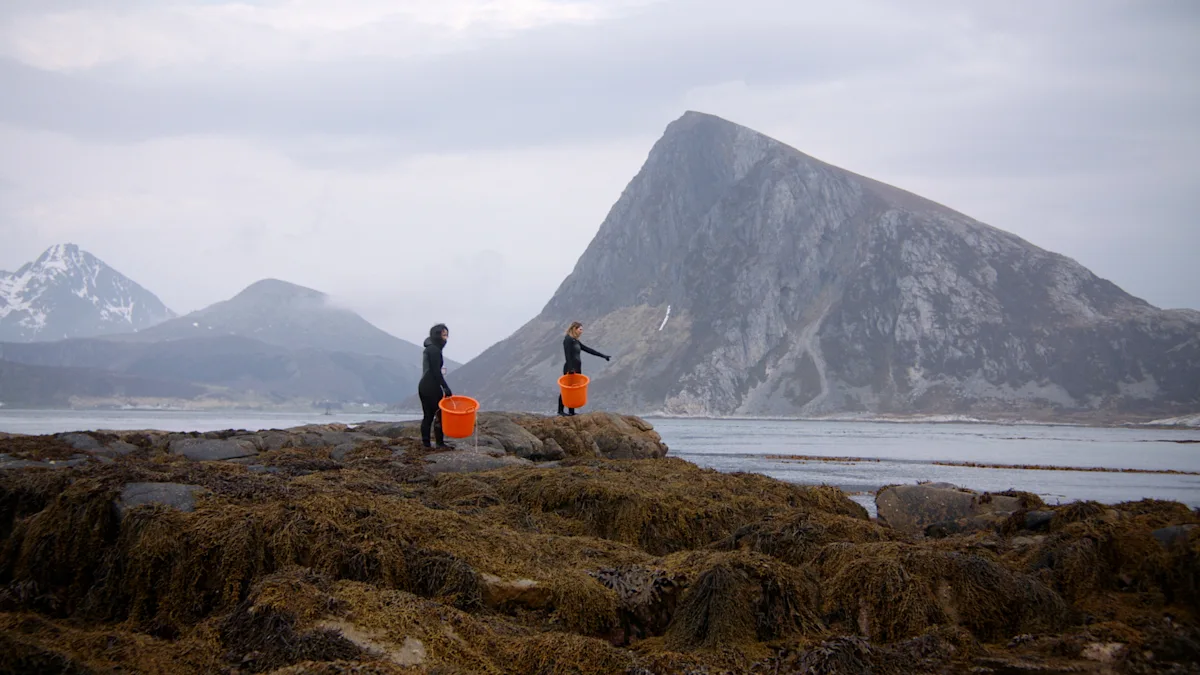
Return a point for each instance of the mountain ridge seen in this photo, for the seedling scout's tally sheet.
(274, 341)
(736, 275)
(289, 315)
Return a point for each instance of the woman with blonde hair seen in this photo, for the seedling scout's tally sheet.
(572, 349)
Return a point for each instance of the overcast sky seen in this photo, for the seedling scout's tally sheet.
(449, 160)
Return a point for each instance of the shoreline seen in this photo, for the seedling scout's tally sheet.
(1190, 422)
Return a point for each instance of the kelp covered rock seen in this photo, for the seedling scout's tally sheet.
(333, 549)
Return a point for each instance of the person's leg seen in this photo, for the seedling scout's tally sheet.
(560, 403)
(428, 410)
(437, 426)
(571, 411)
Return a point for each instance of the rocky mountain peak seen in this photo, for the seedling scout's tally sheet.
(68, 292)
(737, 275)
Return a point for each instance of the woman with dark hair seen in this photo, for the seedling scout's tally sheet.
(432, 387)
(572, 349)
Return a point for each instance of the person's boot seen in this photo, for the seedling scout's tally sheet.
(572, 413)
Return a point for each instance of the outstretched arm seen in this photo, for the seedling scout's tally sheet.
(593, 352)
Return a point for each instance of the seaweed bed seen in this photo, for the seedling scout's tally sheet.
(304, 560)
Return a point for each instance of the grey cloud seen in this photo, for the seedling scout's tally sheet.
(549, 85)
(1078, 116)
(628, 75)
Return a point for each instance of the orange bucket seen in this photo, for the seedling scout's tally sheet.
(574, 389)
(458, 416)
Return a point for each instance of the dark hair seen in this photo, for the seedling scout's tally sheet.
(436, 331)
(574, 325)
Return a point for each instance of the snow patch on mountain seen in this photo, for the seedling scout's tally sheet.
(66, 293)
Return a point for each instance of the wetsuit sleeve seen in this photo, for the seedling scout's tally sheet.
(426, 362)
(591, 351)
(442, 376)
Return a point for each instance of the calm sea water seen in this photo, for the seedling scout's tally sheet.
(883, 453)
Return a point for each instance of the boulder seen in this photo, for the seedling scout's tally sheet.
(979, 523)
(80, 441)
(1169, 536)
(467, 461)
(623, 436)
(512, 437)
(1038, 521)
(504, 593)
(117, 448)
(208, 450)
(175, 495)
(10, 462)
(551, 452)
(912, 508)
(410, 429)
(599, 434)
(274, 439)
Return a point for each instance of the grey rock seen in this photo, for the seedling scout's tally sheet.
(737, 275)
(551, 452)
(912, 508)
(1169, 536)
(339, 453)
(9, 462)
(465, 461)
(1024, 542)
(1038, 521)
(207, 450)
(116, 449)
(267, 441)
(391, 429)
(176, 495)
(80, 441)
(512, 437)
(979, 523)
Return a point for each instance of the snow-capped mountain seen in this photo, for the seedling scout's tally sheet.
(70, 293)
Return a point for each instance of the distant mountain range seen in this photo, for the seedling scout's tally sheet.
(735, 275)
(738, 276)
(275, 343)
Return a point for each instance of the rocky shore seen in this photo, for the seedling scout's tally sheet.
(555, 546)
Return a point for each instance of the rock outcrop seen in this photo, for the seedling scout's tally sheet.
(941, 508)
(737, 275)
(501, 440)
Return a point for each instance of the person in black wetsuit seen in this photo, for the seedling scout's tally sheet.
(572, 349)
(432, 386)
